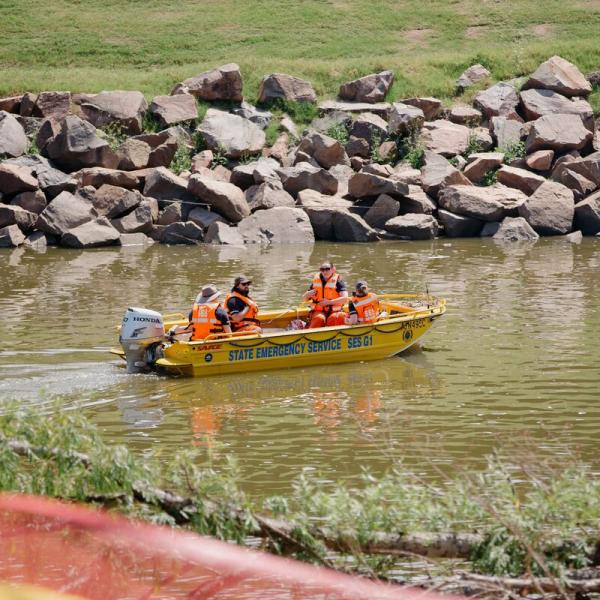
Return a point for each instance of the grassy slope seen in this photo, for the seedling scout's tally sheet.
(86, 45)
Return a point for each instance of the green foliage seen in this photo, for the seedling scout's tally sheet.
(203, 107)
(339, 132)
(513, 151)
(198, 142)
(151, 124)
(182, 161)
(219, 158)
(474, 145)
(302, 113)
(272, 131)
(374, 154)
(32, 148)
(114, 134)
(489, 178)
(411, 150)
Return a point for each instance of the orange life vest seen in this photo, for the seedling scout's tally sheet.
(204, 320)
(367, 307)
(249, 317)
(326, 292)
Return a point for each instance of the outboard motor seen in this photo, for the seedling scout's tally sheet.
(142, 332)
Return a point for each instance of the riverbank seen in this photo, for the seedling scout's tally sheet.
(201, 165)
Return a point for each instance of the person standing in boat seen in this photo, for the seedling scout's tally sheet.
(208, 315)
(328, 295)
(363, 306)
(243, 311)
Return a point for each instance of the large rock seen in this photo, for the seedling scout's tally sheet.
(537, 103)
(350, 227)
(491, 203)
(459, 225)
(321, 210)
(182, 233)
(474, 74)
(382, 210)
(15, 179)
(204, 218)
(369, 127)
(404, 119)
(324, 149)
(380, 108)
(561, 76)
(371, 88)
(174, 109)
(550, 209)
(34, 202)
(413, 227)
(11, 104)
(52, 105)
(445, 138)
(133, 154)
(172, 213)
(587, 215)
(588, 166)
(305, 176)
(126, 109)
(286, 87)
(515, 229)
(268, 194)
(558, 132)
(364, 184)
(36, 241)
(162, 184)
(499, 100)
(111, 201)
(226, 198)
(437, 173)
(506, 132)
(230, 134)
(137, 221)
(91, 235)
(222, 234)
(540, 160)
(521, 179)
(262, 118)
(417, 201)
(257, 171)
(11, 237)
(13, 141)
(99, 176)
(77, 146)
(431, 107)
(15, 215)
(464, 115)
(65, 212)
(223, 83)
(277, 226)
(480, 163)
(51, 180)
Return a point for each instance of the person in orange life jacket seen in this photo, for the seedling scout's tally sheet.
(364, 305)
(208, 315)
(328, 294)
(243, 311)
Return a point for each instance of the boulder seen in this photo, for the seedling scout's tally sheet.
(230, 134)
(371, 88)
(11, 104)
(437, 173)
(588, 166)
(286, 87)
(404, 119)
(324, 149)
(11, 236)
(278, 225)
(13, 141)
(279, 150)
(34, 202)
(515, 229)
(417, 201)
(27, 104)
(474, 74)
(91, 235)
(366, 184)
(133, 154)
(382, 210)
(36, 241)
(370, 127)
(499, 100)
(51, 180)
(377, 169)
(491, 203)
(256, 171)
(203, 217)
(336, 118)
(288, 125)
(431, 107)
(580, 185)
(321, 210)
(540, 160)
(561, 76)
(480, 163)
(162, 184)
(413, 227)
(304, 176)
(223, 83)
(537, 103)
(357, 147)
(226, 198)
(135, 239)
(445, 138)
(350, 227)
(47, 130)
(52, 105)
(521, 179)
(550, 209)
(587, 215)
(379, 108)
(174, 109)
(406, 174)
(268, 195)
(506, 132)
(137, 221)
(15, 215)
(459, 225)
(342, 173)
(77, 146)
(99, 176)
(111, 201)
(126, 109)
(222, 234)
(182, 233)
(558, 132)
(262, 118)
(64, 213)
(465, 115)
(490, 229)
(202, 159)
(172, 213)
(15, 179)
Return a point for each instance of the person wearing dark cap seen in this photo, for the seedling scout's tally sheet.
(364, 305)
(328, 295)
(243, 311)
(208, 315)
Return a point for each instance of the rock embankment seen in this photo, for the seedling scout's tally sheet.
(85, 170)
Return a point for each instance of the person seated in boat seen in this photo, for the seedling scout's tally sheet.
(242, 310)
(208, 316)
(363, 306)
(328, 295)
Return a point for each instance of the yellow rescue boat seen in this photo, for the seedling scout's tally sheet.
(144, 344)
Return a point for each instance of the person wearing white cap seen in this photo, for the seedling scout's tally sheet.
(208, 315)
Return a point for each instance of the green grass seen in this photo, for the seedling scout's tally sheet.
(83, 45)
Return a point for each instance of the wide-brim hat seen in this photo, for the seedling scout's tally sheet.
(208, 294)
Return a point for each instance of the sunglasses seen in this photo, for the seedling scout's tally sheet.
(325, 269)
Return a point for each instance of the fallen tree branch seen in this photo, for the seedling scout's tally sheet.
(546, 584)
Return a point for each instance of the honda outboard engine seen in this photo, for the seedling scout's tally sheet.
(142, 332)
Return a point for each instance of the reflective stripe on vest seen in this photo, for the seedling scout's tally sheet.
(327, 292)
(250, 316)
(204, 320)
(367, 307)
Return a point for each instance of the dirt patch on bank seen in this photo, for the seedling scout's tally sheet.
(476, 31)
(542, 30)
(418, 36)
